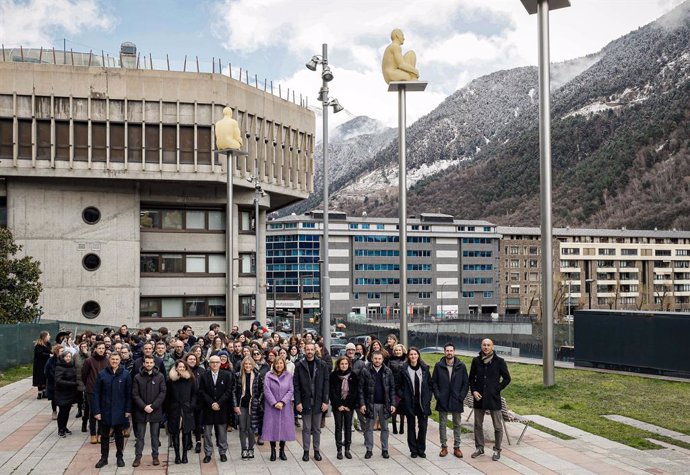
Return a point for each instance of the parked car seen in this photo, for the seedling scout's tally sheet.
(431, 349)
(337, 334)
(337, 349)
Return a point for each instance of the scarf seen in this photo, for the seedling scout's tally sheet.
(344, 384)
(486, 359)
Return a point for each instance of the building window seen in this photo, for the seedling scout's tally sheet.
(426, 228)
(533, 251)
(514, 263)
(396, 295)
(662, 252)
(182, 263)
(379, 226)
(365, 225)
(91, 262)
(91, 309)
(424, 295)
(181, 307)
(570, 251)
(355, 295)
(606, 251)
(533, 263)
(513, 250)
(373, 295)
(181, 220)
(246, 307)
(628, 252)
(515, 276)
(90, 215)
(309, 225)
(246, 221)
(488, 294)
(354, 226)
(679, 252)
(280, 226)
(467, 295)
(3, 211)
(248, 263)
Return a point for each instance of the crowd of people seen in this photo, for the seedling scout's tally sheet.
(199, 388)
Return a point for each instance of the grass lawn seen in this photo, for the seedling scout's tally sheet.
(12, 375)
(580, 398)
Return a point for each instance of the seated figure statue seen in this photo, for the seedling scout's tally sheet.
(395, 65)
(228, 134)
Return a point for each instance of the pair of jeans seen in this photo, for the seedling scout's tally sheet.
(246, 433)
(443, 426)
(311, 429)
(140, 434)
(343, 428)
(380, 413)
(497, 419)
(416, 433)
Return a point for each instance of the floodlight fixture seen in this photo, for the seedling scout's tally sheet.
(313, 62)
(326, 75)
(335, 105)
(323, 94)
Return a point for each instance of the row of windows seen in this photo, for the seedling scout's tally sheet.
(292, 267)
(294, 275)
(178, 219)
(292, 245)
(311, 280)
(293, 260)
(488, 294)
(477, 240)
(477, 267)
(292, 252)
(181, 307)
(374, 295)
(392, 267)
(410, 239)
(390, 253)
(392, 281)
(478, 280)
(477, 253)
(569, 251)
(293, 238)
(182, 263)
(365, 226)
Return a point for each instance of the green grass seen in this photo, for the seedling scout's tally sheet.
(15, 374)
(580, 398)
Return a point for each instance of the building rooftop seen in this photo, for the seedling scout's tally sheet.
(572, 232)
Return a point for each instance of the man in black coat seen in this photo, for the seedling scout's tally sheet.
(450, 383)
(148, 396)
(377, 392)
(311, 397)
(217, 394)
(148, 351)
(488, 377)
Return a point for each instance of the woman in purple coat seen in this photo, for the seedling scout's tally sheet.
(278, 419)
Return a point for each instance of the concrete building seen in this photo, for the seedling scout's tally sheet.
(109, 178)
(452, 265)
(597, 268)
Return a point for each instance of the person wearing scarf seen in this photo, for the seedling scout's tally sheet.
(488, 377)
(345, 398)
(415, 388)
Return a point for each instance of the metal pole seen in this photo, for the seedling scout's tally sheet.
(229, 262)
(545, 162)
(402, 211)
(257, 233)
(325, 279)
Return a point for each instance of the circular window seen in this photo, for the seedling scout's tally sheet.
(90, 309)
(91, 215)
(91, 262)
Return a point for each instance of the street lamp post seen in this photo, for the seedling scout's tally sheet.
(589, 291)
(326, 77)
(258, 194)
(541, 8)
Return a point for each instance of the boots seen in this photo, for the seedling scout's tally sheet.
(348, 455)
(83, 425)
(273, 451)
(281, 455)
(188, 441)
(175, 438)
(395, 424)
(340, 453)
(402, 425)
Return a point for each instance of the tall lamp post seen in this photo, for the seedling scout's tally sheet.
(326, 77)
(258, 194)
(541, 8)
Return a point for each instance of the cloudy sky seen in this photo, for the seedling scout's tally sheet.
(455, 40)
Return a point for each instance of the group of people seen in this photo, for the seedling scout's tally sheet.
(262, 385)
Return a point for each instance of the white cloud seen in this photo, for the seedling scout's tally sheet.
(455, 41)
(33, 23)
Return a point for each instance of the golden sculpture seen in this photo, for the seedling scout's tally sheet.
(228, 134)
(395, 65)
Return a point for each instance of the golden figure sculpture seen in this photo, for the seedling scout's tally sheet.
(228, 134)
(395, 65)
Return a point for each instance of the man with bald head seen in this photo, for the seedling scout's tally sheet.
(488, 377)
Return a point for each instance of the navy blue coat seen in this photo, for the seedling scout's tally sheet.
(49, 371)
(112, 396)
(450, 393)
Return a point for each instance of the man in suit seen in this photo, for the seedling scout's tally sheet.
(311, 397)
(218, 399)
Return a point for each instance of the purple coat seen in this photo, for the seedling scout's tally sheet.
(278, 424)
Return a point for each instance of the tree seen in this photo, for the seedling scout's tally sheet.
(19, 283)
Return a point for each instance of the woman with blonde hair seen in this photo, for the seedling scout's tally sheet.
(249, 396)
(278, 422)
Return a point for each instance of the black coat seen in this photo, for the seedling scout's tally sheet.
(489, 380)
(49, 371)
(148, 389)
(450, 393)
(311, 393)
(112, 396)
(405, 388)
(222, 393)
(353, 400)
(41, 356)
(198, 371)
(181, 401)
(256, 403)
(366, 389)
(65, 383)
(139, 363)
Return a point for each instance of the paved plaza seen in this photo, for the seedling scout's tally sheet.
(29, 444)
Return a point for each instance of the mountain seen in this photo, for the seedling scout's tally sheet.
(620, 142)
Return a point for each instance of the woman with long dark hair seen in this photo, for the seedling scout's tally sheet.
(415, 389)
(344, 394)
(41, 355)
(181, 396)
